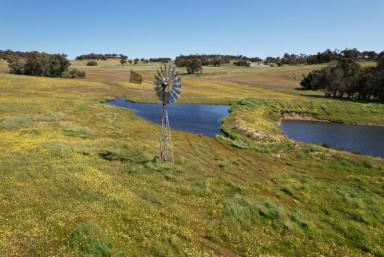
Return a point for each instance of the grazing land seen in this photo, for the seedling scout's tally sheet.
(80, 178)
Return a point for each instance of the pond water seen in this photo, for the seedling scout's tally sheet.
(361, 139)
(196, 118)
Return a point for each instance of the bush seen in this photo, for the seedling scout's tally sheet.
(135, 77)
(74, 74)
(242, 62)
(92, 63)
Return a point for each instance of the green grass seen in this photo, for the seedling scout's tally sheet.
(81, 178)
(88, 239)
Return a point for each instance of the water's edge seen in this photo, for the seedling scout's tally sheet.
(201, 119)
(359, 139)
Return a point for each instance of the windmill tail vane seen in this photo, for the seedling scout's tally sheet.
(168, 90)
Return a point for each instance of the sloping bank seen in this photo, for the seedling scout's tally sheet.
(255, 123)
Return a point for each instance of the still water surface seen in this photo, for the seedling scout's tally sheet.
(196, 118)
(362, 139)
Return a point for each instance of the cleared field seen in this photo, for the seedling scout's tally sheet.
(285, 79)
(3, 66)
(80, 178)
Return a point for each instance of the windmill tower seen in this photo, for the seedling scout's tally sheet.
(168, 90)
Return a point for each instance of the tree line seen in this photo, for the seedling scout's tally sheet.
(195, 63)
(322, 57)
(93, 56)
(161, 59)
(40, 64)
(345, 78)
(213, 59)
(6, 54)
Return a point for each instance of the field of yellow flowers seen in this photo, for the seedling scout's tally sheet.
(80, 178)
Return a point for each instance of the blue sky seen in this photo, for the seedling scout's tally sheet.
(167, 28)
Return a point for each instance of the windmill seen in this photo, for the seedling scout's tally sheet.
(168, 90)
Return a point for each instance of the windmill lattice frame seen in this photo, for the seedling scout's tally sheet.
(168, 89)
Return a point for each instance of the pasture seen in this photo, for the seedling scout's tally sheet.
(80, 178)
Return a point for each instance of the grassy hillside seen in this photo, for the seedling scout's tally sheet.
(79, 178)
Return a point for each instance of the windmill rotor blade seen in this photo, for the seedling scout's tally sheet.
(172, 91)
(176, 83)
(172, 96)
(177, 91)
(169, 71)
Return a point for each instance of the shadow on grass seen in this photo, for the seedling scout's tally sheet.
(342, 99)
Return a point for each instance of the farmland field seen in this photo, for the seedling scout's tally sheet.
(80, 178)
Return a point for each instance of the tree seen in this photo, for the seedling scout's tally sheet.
(123, 60)
(92, 56)
(380, 61)
(16, 64)
(217, 61)
(161, 59)
(136, 61)
(36, 64)
(369, 55)
(193, 66)
(270, 60)
(57, 64)
(352, 54)
(313, 81)
(346, 78)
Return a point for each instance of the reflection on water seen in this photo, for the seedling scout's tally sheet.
(362, 139)
(196, 118)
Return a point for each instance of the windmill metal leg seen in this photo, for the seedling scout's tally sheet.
(166, 152)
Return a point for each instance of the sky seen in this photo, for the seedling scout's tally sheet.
(167, 28)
